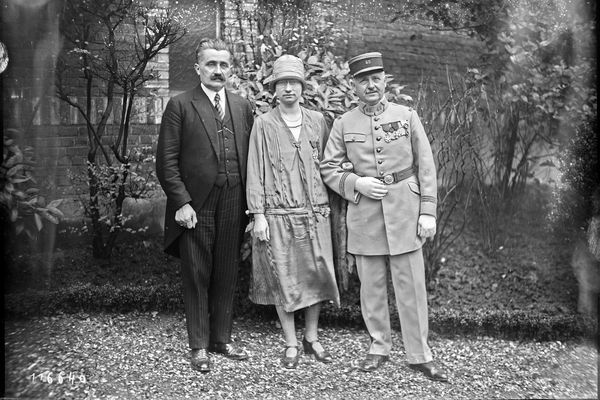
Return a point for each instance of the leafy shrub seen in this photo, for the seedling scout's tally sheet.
(293, 25)
(88, 297)
(20, 197)
(135, 179)
(579, 164)
(447, 115)
(533, 88)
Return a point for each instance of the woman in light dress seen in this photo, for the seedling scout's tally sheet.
(292, 249)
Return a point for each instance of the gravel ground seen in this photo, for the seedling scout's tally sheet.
(145, 356)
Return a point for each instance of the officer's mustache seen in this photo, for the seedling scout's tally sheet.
(217, 77)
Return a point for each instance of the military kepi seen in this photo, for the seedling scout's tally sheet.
(367, 62)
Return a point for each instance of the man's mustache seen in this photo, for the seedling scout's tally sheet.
(217, 77)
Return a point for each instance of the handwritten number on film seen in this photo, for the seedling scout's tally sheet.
(61, 378)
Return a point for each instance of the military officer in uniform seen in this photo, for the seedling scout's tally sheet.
(378, 158)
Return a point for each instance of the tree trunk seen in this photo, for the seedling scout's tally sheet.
(510, 153)
(98, 248)
(118, 223)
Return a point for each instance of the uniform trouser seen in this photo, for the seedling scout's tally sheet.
(408, 278)
(210, 255)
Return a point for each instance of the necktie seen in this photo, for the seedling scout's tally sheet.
(218, 107)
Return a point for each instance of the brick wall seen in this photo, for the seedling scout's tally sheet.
(412, 53)
(54, 129)
(61, 150)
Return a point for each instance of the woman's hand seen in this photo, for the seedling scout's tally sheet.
(261, 228)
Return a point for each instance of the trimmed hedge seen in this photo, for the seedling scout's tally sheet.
(89, 298)
(514, 325)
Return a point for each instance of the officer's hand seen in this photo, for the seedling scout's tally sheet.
(426, 226)
(261, 228)
(371, 187)
(186, 216)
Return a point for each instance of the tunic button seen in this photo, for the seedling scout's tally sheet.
(376, 118)
(381, 173)
(378, 138)
(379, 149)
(379, 161)
(377, 127)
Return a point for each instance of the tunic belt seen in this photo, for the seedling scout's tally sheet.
(396, 177)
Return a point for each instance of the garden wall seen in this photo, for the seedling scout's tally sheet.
(412, 53)
(56, 130)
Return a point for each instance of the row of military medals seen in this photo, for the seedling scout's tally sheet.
(392, 130)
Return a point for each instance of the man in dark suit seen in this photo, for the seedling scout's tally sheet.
(201, 165)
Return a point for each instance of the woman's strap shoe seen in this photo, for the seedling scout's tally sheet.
(290, 362)
(322, 356)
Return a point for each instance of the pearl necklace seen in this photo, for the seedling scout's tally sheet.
(293, 123)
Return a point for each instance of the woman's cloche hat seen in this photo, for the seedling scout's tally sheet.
(287, 67)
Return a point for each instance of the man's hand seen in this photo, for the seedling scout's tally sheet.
(186, 217)
(261, 228)
(426, 226)
(373, 188)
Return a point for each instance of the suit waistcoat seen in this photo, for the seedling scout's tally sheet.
(228, 168)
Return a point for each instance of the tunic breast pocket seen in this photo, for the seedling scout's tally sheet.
(355, 138)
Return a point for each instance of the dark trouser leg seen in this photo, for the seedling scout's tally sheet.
(196, 264)
(196, 250)
(226, 255)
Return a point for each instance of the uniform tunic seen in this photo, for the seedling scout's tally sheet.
(377, 141)
(295, 268)
(384, 141)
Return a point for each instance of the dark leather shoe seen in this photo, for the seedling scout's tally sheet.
(430, 371)
(322, 356)
(200, 361)
(290, 362)
(229, 350)
(372, 362)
